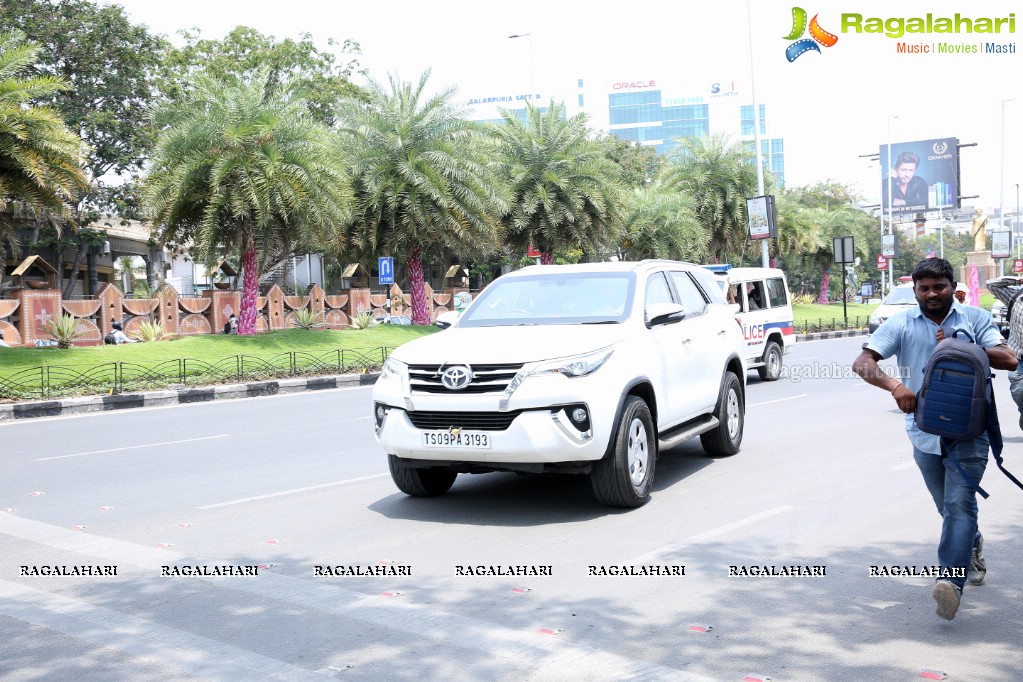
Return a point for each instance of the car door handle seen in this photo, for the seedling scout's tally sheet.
(722, 332)
(687, 340)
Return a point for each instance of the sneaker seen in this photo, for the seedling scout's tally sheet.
(978, 567)
(1021, 420)
(947, 596)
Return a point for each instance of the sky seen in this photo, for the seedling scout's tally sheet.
(831, 106)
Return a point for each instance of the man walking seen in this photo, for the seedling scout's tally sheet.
(911, 336)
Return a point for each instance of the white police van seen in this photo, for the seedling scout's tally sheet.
(764, 311)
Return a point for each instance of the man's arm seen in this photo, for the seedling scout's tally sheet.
(866, 366)
(1001, 357)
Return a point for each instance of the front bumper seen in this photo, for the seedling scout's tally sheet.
(535, 436)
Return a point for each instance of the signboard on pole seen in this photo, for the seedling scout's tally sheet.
(889, 246)
(385, 270)
(882, 263)
(1001, 244)
(760, 217)
(844, 250)
(1017, 265)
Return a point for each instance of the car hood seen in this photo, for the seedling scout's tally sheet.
(526, 343)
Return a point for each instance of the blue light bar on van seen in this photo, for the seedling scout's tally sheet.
(719, 268)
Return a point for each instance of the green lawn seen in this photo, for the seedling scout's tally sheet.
(195, 360)
(812, 314)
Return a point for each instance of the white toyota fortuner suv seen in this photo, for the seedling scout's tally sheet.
(568, 368)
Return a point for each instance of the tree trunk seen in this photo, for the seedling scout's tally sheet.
(420, 308)
(79, 257)
(546, 258)
(825, 285)
(250, 290)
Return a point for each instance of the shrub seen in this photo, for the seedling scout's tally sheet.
(363, 320)
(149, 331)
(63, 329)
(305, 318)
(804, 299)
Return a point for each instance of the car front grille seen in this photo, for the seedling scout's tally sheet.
(479, 421)
(486, 378)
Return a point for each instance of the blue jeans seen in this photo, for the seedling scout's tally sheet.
(956, 500)
(1016, 386)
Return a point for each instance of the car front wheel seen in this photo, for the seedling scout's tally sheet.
(419, 482)
(726, 437)
(624, 477)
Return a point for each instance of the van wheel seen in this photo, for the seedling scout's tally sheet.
(772, 362)
(420, 482)
(731, 413)
(624, 477)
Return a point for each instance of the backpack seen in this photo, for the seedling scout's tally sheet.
(957, 401)
(109, 339)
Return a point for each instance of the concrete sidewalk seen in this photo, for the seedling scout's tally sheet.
(178, 396)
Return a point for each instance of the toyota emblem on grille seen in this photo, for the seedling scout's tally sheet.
(456, 378)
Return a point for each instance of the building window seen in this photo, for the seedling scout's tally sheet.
(746, 116)
(580, 82)
(581, 101)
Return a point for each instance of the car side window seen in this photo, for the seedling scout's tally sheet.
(755, 294)
(657, 290)
(689, 295)
(776, 293)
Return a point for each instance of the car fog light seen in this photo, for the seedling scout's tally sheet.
(578, 415)
(379, 413)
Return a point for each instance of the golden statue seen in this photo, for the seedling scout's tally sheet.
(979, 230)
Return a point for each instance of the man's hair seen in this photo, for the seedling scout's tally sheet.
(1, 336)
(935, 268)
(906, 157)
(117, 325)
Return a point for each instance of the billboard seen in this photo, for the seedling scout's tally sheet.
(920, 176)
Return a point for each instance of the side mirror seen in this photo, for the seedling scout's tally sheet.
(664, 313)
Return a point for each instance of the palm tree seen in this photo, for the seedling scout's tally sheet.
(421, 177)
(241, 167)
(660, 222)
(40, 158)
(719, 176)
(565, 188)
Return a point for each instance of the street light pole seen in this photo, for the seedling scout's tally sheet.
(765, 260)
(1001, 187)
(891, 225)
(527, 35)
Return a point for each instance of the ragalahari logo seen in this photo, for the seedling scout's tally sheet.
(817, 35)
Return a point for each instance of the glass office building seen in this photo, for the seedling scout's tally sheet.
(658, 113)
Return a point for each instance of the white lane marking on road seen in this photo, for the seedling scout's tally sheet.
(903, 466)
(779, 400)
(661, 553)
(290, 492)
(134, 447)
(556, 659)
(169, 646)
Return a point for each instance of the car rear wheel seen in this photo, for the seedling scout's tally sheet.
(731, 413)
(419, 482)
(772, 362)
(624, 477)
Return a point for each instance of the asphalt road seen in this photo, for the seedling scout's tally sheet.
(286, 484)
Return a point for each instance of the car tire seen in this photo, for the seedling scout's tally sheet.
(771, 370)
(625, 475)
(726, 437)
(419, 482)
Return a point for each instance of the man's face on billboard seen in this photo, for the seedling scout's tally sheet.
(905, 172)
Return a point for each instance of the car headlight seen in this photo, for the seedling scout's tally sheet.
(574, 366)
(393, 368)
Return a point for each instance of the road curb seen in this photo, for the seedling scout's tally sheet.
(819, 336)
(178, 396)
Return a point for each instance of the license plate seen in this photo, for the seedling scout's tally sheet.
(476, 440)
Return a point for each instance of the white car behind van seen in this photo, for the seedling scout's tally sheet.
(764, 313)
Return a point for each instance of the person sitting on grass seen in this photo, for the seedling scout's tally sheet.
(120, 336)
(3, 344)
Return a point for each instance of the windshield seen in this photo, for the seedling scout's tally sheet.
(553, 298)
(901, 296)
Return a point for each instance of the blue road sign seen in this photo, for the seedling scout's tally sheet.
(385, 269)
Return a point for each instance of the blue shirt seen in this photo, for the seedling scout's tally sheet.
(911, 337)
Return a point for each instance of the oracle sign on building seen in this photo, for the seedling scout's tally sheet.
(633, 85)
